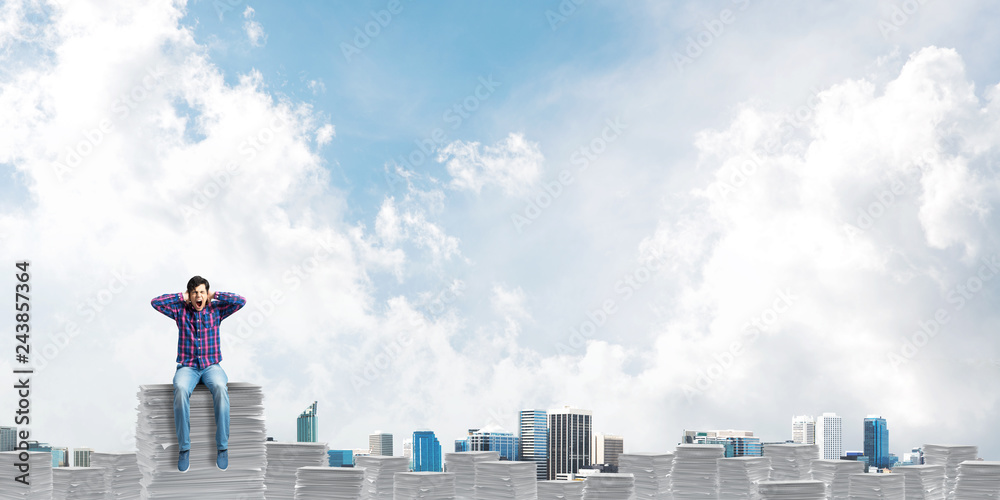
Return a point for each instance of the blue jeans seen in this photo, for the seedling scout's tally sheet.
(185, 380)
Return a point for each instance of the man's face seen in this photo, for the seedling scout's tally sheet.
(198, 297)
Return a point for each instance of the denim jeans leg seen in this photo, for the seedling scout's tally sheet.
(185, 380)
(214, 377)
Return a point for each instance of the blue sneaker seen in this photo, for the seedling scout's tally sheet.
(222, 460)
(184, 460)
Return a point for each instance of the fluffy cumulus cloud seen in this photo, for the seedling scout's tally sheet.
(513, 165)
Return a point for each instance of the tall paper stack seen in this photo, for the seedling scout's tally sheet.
(978, 480)
(609, 487)
(156, 445)
(121, 474)
(560, 490)
(739, 477)
(837, 476)
(379, 473)
(463, 465)
(791, 462)
(78, 483)
(283, 460)
(950, 456)
(328, 483)
(424, 486)
(923, 482)
(506, 480)
(39, 478)
(651, 472)
(695, 473)
(878, 487)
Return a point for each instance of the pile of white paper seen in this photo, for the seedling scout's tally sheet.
(804, 489)
(157, 451)
(78, 483)
(283, 461)
(424, 486)
(878, 487)
(560, 490)
(121, 474)
(379, 472)
(978, 479)
(506, 480)
(923, 482)
(837, 476)
(39, 478)
(463, 465)
(695, 471)
(334, 483)
(950, 456)
(791, 461)
(739, 477)
(651, 472)
(608, 486)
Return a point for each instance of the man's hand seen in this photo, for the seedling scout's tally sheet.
(211, 296)
(186, 299)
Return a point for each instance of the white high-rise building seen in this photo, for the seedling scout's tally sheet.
(608, 448)
(570, 433)
(804, 429)
(829, 436)
(380, 444)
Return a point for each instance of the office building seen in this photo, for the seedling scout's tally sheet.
(857, 456)
(804, 429)
(493, 438)
(60, 456)
(736, 443)
(426, 452)
(307, 425)
(533, 440)
(607, 448)
(408, 451)
(8, 438)
(461, 445)
(380, 444)
(570, 435)
(340, 458)
(829, 436)
(877, 441)
(81, 457)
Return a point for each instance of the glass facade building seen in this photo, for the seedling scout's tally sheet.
(533, 440)
(877, 442)
(426, 452)
(570, 436)
(306, 425)
(505, 443)
(340, 458)
(8, 438)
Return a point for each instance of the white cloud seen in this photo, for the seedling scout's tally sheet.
(253, 29)
(513, 164)
(325, 134)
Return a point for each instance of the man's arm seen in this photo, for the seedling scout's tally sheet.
(171, 304)
(227, 303)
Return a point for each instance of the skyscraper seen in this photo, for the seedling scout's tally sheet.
(533, 436)
(493, 438)
(60, 456)
(877, 441)
(8, 438)
(570, 432)
(426, 452)
(307, 425)
(340, 458)
(829, 436)
(804, 429)
(81, 457)
(607, 449)
(380, 444)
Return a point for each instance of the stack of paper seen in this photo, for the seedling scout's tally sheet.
(560, 490)
(837, 476)
(424, 486)
(878, 487)
(791, 462)
(39, 470)
(78, 483)
(978, 479)
(805, 489)
(283, 461)
(335, 483)
(608, 486)
(506, 480)
(950, 456)
(121, 474)
(379, 472)
(923, 482)
(156, 445)
(463, 465)
(739, 476)
(651, 472)
(695, 471)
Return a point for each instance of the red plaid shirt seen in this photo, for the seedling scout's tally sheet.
(198, 331)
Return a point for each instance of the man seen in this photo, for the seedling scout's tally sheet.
(198, 312)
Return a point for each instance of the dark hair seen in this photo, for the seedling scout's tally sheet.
(195, 281)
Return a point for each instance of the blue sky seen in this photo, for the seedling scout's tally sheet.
(687, 169)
